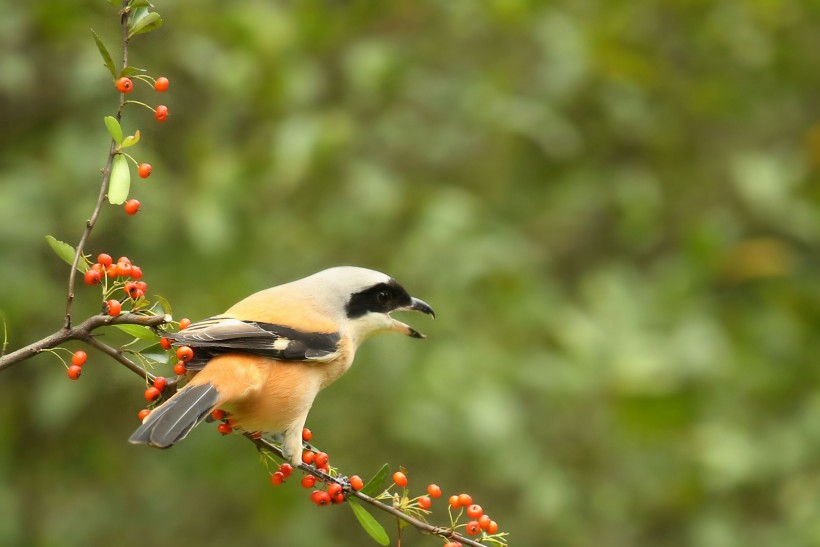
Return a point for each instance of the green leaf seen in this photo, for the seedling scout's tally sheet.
(138, 331)
(131, 140)
(150, 22)
(166, 306)
(114, 128)
(130, 71)
(375, 485)
(369, 523)
(120, 182)
(66, 252)
(109, 63)
(141, 4)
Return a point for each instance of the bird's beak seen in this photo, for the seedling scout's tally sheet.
(416, 304)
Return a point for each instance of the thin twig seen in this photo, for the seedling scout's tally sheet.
(420, 525)
(106, 177)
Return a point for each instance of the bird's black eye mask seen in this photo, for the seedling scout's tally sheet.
(380, 298)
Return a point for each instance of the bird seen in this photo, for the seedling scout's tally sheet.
(267, 357)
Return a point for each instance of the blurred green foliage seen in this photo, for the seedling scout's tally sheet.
(612, 206)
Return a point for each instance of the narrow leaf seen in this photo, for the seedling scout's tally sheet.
(130, 71)
(375, 485)
(166, 306)
(141, 4)
(138, 331)
(114, 128)
(66, 252)
(131, 140)
(120, 182)
(150, 22)
(109, 63)
(369, 523)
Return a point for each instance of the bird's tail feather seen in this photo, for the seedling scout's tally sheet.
(172, 421)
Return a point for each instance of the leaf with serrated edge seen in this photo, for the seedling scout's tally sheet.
(369, 523)
(66, 252)
(131, 140)
(114, 128)
(138, 331)
(375, 485)
(109, 62)
(120, 182)
(150, 22)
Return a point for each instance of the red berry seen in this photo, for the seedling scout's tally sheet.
(79, 357)
(161, 84)
(218, 414)
(492, 528)
(184, 323)
(136, 273)
(124, 85)
(475, 511)
(74, 371)
(425, 502)
(321, 459)
(320, 497)
(143, 414)
(124, 259)
(472, 528)
(338, 498)
(91, 277)
(465, 500)
(307, 435)
(453, 544)
(104, 260)
(307, 457)
(277, 478)
(130, 288)
(114, 307)
(434, 491)
(144, 170)
(111, 271)
(356, 482)
(308, 481)
(180, 368)
(141, 285)
(97, 267)
(484, 521)
(286, 469)
(454, 503)
(334, 488)
(132, 206)
(185, 354)
(400, 479)
(224, 428)
(165, 343)
(161, 113)
(152, 394)
(160, 382)
(123, 269)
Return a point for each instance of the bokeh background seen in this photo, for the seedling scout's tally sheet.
(612, 206)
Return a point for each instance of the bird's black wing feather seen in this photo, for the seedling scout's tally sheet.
(218, 335)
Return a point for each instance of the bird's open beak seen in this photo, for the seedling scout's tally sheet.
(416, 304)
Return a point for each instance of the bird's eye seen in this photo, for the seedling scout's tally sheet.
(383, 297)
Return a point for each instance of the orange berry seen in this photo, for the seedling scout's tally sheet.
(74, 371)
(184, 323)
(307, 457)
(143, 414)
(492, 528)
(161, 84)
(144, 170)
(79, 357)
(277, 478)
(224, 428)
(320, 497)
(308, 481)
(160, 382)
(472, 528)
(113, 307)
(218, 414)
(475, 511)
(132, 206)
(185, 354)
(465, 500)
(136, 273)
(321, 459)
(307, 435)
(356, 482)
(453, 544)
(152, 394)
(161, 113)
(400, 479)
(165, 343)
(91, 277)
(454, 503)
(124, 85)
(180, 369)
(123, 269)
(338, 498)
(434, 491)
(286, 469)
(111, 271)
(104, 260)
(334, 489)
(425, 502)
(484, 521)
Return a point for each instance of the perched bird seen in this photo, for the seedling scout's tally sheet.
(267, 357)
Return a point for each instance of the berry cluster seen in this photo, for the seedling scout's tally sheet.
(122, 275)
(78, 359)
(125, 85)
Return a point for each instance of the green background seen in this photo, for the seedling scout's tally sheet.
(612, 206)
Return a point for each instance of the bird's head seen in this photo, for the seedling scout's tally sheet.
(362, 300)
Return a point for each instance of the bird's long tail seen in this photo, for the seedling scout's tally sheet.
(172, 421)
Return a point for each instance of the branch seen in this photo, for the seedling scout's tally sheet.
(83, 332)
(106, 177)
(420, 525)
